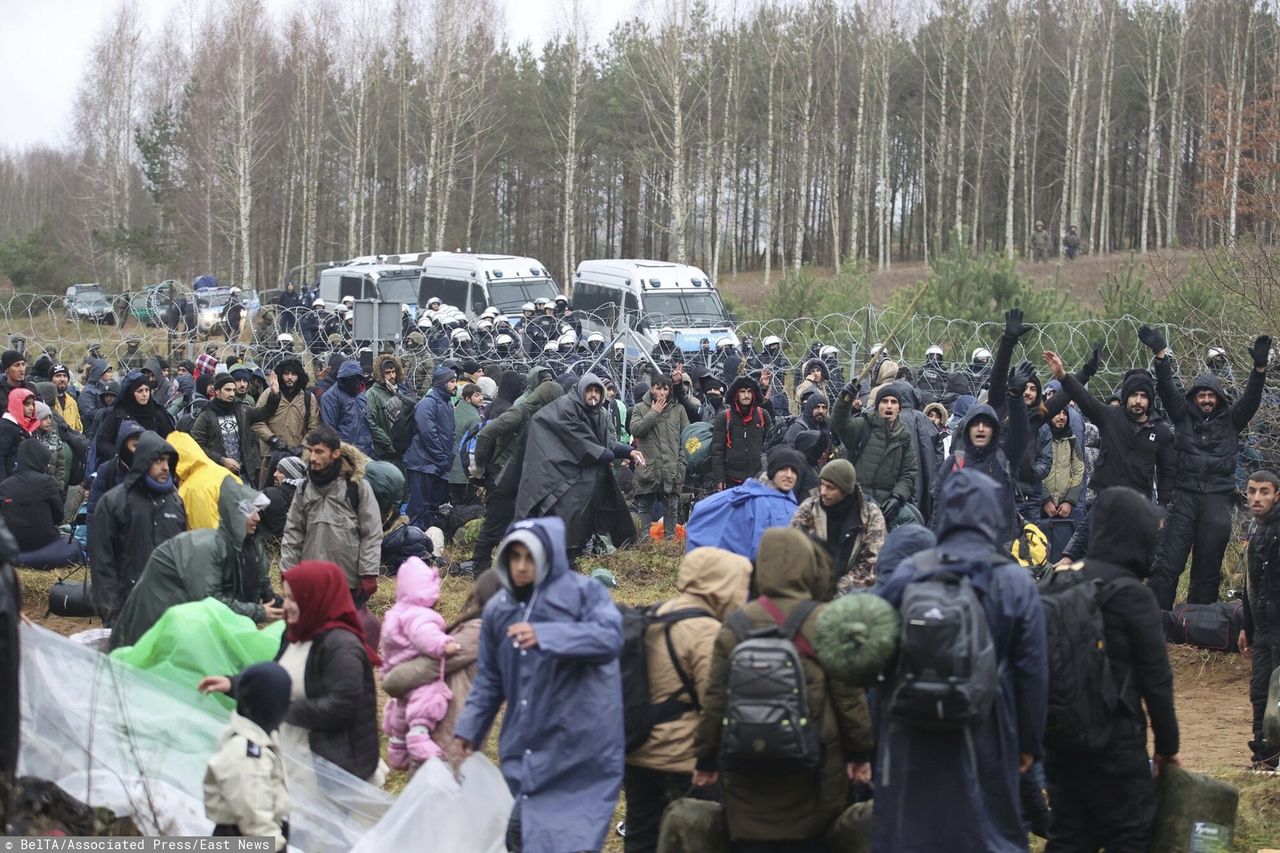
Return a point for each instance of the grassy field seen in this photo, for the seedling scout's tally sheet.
(1211, 688)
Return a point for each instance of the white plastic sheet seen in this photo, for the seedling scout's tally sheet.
(114, 736)
(439, 814)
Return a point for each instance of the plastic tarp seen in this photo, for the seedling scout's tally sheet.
(201, 638)
(118, 737)
(204, 282)
(439, 814)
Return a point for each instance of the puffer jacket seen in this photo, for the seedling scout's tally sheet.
(790, 569)
(883, 455)
(225, 564)
(347, 413)
(30, 501)
(322, 521)
(293, 418)
(1207, 445)
(380, 420)
(129, 523)
(716, 582)
(737, 438)
(199, 482)
(658, 438)
(431, 451)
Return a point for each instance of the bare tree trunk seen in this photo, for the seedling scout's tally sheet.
(1176, 98)
(964, 126)
(1154, 58)
(1017, 34)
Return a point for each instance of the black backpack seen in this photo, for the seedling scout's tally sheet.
(768, 724)
(947, 674)
(778, 431)
(404, 426)
(1082, 691)
(639, 712)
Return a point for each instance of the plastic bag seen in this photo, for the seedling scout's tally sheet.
(435, 811)
(120, 737)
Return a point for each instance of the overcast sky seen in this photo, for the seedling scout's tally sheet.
(41, 44)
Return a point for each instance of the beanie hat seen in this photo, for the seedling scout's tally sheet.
(469, 367)
(1137, 380)
(220, 379)
(42, 410)
(889, 390)
(59, 368)
(841, 474)
(10, 358)
(292, 468)
(203, 381)
(784, 457)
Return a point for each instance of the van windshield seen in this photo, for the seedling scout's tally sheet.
(402, 288)
(508, 296)
(684, 308)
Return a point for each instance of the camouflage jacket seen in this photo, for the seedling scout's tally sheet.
(859, 570)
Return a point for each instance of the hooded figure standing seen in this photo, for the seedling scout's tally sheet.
(549, 647)
(568, 468)
(959, 790)
(229, 564)
(1207, 428)
(134, 404)
(345, 407)
(296, 415)
(430, 454)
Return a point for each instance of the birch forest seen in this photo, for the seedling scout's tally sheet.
(733, 135)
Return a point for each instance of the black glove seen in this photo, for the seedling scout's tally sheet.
(851, 390)
(1261, 351)
(276, 444)
(1090, 368)
(1018, 379)
(890, 508)
(1152, 339)
(1014, 328)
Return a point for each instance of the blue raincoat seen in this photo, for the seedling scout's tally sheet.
(346, 413)
(958, 791)
(561, 747)
(431, 450)
(736, 518)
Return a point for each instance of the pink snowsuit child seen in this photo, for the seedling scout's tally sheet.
(412, 629)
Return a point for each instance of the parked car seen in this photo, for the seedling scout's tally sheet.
(211, 301)
(87, 302)
(151, 305)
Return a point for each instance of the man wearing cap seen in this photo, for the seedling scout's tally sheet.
(310, 324)
(850, 527)
(879, 446)
(430, 455)
(385, 403)
(223, 429)
(207, 361)
(14, 365)
(228, 563)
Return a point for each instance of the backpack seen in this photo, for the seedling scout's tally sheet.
(404, 426)
(189, 415)
(1082, 692)
(467, 451)
(778, 432)
(947, 674)
(768, 725)
(640, 714)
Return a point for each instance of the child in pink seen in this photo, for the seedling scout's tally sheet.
(413, 629)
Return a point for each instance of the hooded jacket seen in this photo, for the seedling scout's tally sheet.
(113, 470)
(30, 499)
(411, 629)
(561, 748)
(958, 791)
(713, 581)
(380, 421)
(658, 438)
(992, 460)
(499, 439)
(1123, 536)
(465, 416)
(294, 417)
(129, 523)
(347, 413)
(15, 428)
(510, 386)
(431, 451)
(806, 422)
(734, 519)
(151, 417)
(737, 437)
(91, 394)
(1207, 445)
(567, 468)
(324, 525)
(222, 563)
(790, 569)
(200, 482)
(883, 454)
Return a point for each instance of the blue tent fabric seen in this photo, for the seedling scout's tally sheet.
(736, 518)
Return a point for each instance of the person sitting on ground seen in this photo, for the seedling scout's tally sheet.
(48, 435)
(200, 482)
(31, 506)
(333, 712)
(229, 564)
(786, 810)
(113, 470)
(549, 649)
(736, 518)
(712, 583)
(289, 473)
(245, 790)
(850, 527)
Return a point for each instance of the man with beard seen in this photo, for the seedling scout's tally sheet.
(296, 415)
(850, 527)
(223, 429)
(812, 417)
(568, 468)
(14, 365)
(712, 399)
(65, 403)
(1136, 443)
(1207, 430)
(737, 436)
(1260, 638)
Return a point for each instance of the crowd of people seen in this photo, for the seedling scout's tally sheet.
(792, 485)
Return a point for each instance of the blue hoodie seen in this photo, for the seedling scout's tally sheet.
(431, 451)
(561, 747)
(348, 413)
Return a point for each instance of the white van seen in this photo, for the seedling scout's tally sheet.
(474, 282)
(654, 295)
(382, 282)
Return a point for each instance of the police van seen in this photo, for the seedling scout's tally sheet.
(652, 295)
(473, 282)
(365, 279)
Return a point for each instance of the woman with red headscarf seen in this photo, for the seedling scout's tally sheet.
(333, 711)
(17, 424)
